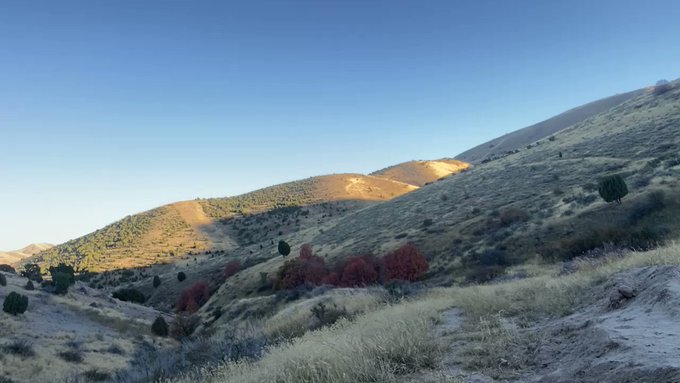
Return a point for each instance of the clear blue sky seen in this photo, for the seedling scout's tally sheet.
(108, 108)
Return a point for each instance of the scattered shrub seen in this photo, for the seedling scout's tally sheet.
(661, 87)
(129, 295)
(72, 356)
(156, 281)
(231, 268)
(484, 274)
(405, 263)
(15, 303)
(160, 327)
(612, 188)
(326, 316)
(181, 276)
(652, 203)
(61, 283)
(3, 280)
(183, 326)
(493, 257)
(95, 375)
(20, 348)
(7, 269)
(193, 297)
(29, 286)
(32, 272)
(284, 247)
(511, 215)
(628, 238)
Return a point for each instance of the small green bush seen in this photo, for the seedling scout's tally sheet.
(29, 285)
(284, 248)
(15, 303)
(160, 327)
(61, 282)
(156, 281)
(181, 276)
(129, 295)
(612, 188)
(3, 280)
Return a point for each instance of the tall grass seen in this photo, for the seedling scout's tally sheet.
(398, 339)
(373, 348)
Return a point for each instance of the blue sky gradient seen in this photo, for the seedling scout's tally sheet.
(108, 108)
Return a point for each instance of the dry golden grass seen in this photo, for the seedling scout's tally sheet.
(398, 339)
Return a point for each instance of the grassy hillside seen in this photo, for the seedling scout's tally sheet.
(540, 203)
(521, 138)
(420, 173)
(190, 227)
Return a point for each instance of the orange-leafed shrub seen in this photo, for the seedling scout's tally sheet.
(193, 297)
(305, 269)
(231, 268)
(362, 270)
(406, 263)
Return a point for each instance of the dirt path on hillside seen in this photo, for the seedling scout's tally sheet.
(218, 235)
(630, 334)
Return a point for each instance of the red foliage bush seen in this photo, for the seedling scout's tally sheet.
(360, 271)
(193, 297)
(332, 279)
(405, 263)
(231, 268)
(305, 269)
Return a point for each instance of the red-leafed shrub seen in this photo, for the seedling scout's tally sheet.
(305, 269)
(332, 279)
(360, 271)
(193, 297)
(231, 268)
(405, 263)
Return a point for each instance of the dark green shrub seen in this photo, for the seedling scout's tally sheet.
(160, 327)
(29, 285)
(61, 282)
(156, 281)
(3, 280)
(32, 272)
(7, 269)
(181, 276)
(15, 303)
(129, 295)
(284, 248)
(484, 274)
(612, 188)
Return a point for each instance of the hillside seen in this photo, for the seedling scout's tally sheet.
(15, 257)
(192, 227)
(420, 173)
(520, 138)
(540, 203)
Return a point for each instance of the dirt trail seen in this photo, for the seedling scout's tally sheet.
(630, 334)
(193, 214)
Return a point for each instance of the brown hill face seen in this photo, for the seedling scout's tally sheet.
(420, 173)
(15, 257)
(191, 227)
(523, 137)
